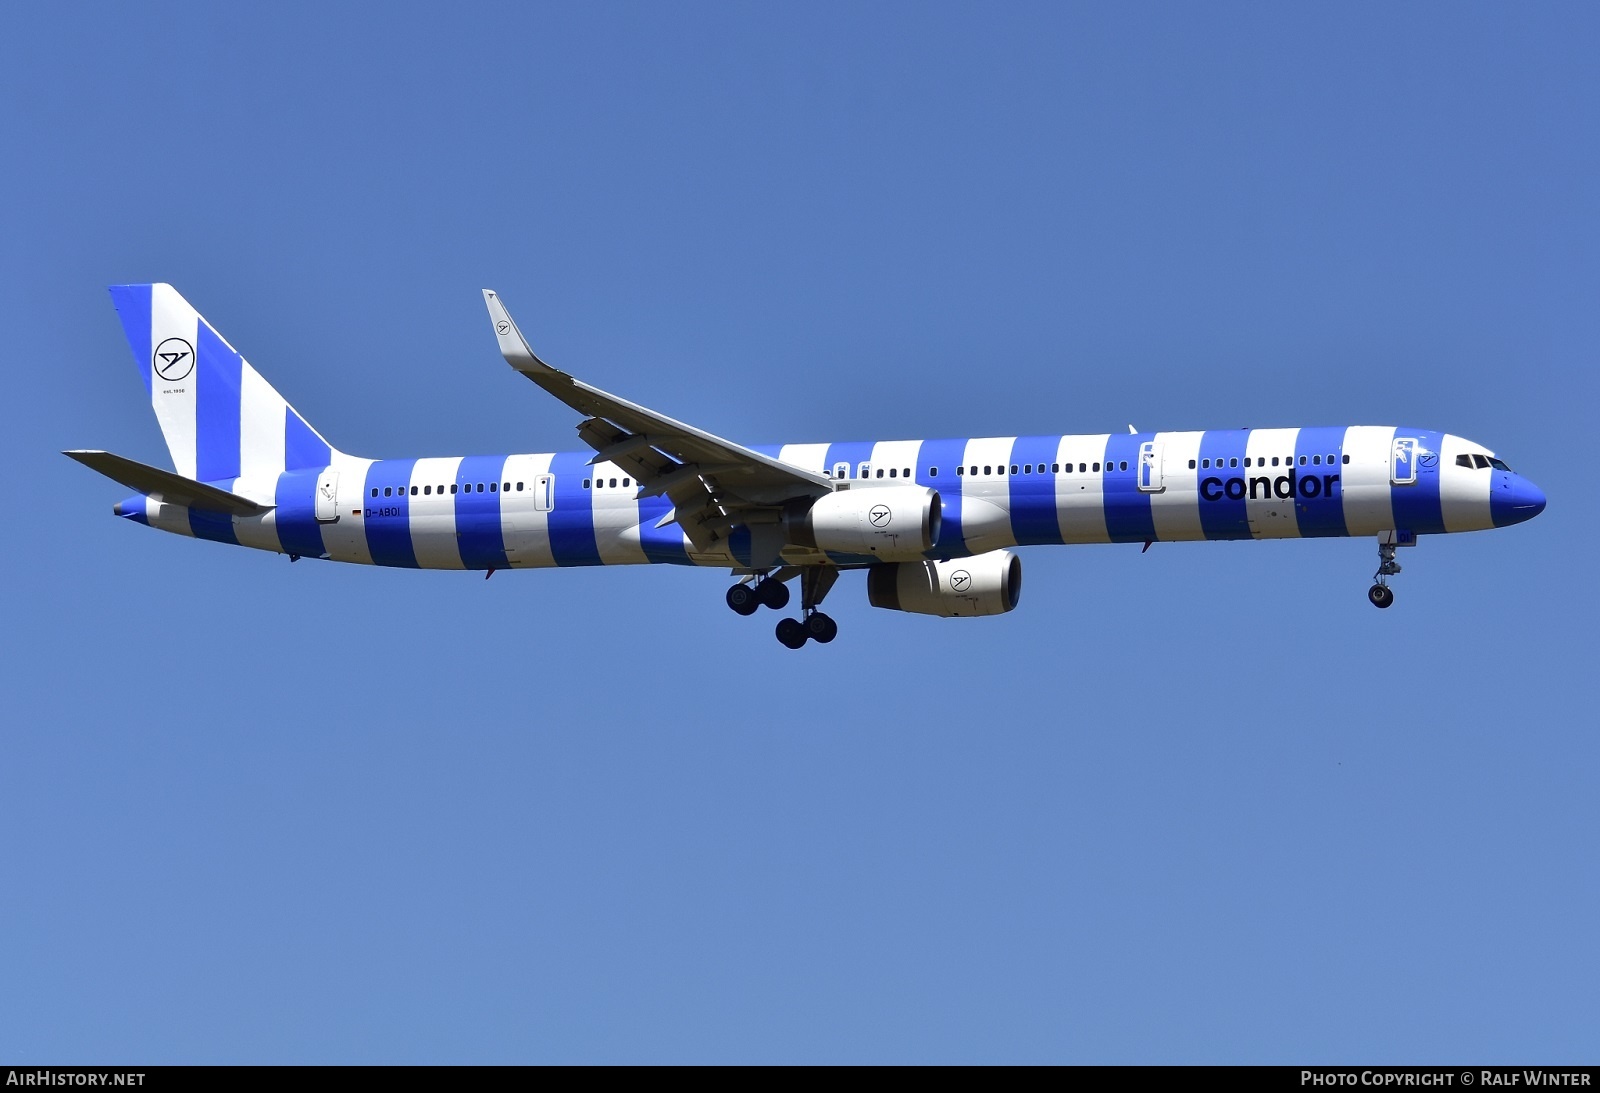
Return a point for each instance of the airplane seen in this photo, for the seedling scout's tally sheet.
(932, 522)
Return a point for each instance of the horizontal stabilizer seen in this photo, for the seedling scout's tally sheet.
(164, 486)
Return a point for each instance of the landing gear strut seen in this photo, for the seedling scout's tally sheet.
(1380, 593)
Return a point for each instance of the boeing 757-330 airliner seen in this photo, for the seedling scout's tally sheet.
(930, 521)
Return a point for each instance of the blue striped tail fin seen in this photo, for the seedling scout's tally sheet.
(220, 418)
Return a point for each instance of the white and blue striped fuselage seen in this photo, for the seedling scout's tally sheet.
(535, 511)
(931, 520)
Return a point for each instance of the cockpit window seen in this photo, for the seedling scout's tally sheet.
(1480, 461)
(1463, 460)
(1499, 465)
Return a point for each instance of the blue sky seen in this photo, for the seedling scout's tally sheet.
(1199, 805)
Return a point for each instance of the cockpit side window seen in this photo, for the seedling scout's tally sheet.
(1499, 465)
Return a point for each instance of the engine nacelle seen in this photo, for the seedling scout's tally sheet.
(889, 522)
(988, 584)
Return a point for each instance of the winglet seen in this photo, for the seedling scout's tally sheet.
(513, 346)
(1132, 430)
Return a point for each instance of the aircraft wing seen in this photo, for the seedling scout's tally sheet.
(714, 484)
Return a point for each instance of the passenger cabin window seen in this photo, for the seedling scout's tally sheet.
(374, 491)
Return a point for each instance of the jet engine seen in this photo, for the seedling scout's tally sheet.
(988, 584)
(890, 522)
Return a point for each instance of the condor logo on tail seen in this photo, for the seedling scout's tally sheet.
(1282, 487)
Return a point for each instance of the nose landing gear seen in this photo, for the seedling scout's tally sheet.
(1380, 593)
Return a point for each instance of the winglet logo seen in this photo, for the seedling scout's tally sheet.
(173, 360)
(502, 328)
(880, 516)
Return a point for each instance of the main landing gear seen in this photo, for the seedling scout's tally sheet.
(747, 598)
(770, 591)
(1380, 593)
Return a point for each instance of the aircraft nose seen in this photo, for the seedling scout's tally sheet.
(1516, 499)
(1530, 498)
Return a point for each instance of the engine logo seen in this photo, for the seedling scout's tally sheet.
(960, 581)
(880, 516)
(173, 359)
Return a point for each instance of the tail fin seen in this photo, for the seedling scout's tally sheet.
(221, 420)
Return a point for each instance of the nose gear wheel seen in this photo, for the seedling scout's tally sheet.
(1380, 593)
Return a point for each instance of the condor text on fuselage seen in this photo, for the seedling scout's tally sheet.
(1283, 487)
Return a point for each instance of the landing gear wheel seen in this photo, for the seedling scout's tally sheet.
(743, 599)
(791, 633)
(821, 627)
(773, 594)
(1381, 595)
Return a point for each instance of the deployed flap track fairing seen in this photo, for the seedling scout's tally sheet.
(933, 521)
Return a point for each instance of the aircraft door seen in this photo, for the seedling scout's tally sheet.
(1403, 461)
(1150, 467)
(327, 499)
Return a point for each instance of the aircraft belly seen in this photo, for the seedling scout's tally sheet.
(434, 540)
